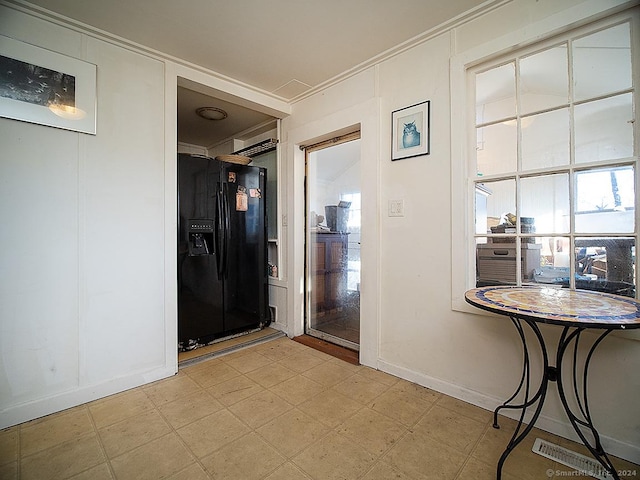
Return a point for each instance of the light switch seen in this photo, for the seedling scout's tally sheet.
(396, 208)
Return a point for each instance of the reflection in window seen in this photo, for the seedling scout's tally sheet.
(605, 264)
(545, 140)
(496, 93)
(609, 189)
(496, 148)
(550, 211)
(544, 91)
(604, 129)
(602, 62)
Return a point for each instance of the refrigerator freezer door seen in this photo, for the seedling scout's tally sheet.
(246, 279)
(200, 304)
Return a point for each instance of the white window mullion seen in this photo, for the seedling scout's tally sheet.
(518, 211)
(572, 162)
(635, 79)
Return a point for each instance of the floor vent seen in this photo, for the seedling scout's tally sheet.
(582, 464)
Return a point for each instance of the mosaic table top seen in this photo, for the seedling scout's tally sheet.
(580, 308)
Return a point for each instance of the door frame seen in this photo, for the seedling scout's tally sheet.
(367, 116)
(335, 141)
(177, 74)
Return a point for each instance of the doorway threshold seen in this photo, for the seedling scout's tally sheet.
(343, 353)
(228, 345)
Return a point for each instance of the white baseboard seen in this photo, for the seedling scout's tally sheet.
(561, 428)
(25, 412)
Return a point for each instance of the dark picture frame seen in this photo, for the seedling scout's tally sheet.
(47, 88)
(410, 131)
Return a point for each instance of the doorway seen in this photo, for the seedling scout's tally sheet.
(333, 239)
(245, 128)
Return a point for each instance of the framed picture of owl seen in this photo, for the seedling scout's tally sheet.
(410, 131)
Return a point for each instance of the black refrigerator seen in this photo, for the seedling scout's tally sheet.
(222, 249)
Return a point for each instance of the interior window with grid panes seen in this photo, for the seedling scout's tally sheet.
(554, 165)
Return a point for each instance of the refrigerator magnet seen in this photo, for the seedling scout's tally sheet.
(232, 177)
(255, 193)
(242, 203)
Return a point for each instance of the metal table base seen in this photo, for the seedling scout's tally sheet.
(580, 420)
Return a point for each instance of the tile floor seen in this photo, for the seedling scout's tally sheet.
(278, 410)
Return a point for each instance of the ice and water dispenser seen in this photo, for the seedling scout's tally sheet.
(200, 236)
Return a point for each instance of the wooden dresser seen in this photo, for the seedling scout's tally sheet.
(329, 252)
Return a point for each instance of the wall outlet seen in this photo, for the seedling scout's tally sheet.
(396, 208)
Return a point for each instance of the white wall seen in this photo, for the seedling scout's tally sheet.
(82, 283)
(414, 332)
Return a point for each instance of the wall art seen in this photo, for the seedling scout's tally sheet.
(410, 131)
(44, 87)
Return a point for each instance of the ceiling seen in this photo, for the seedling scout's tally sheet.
(281, 47)
(241, 122)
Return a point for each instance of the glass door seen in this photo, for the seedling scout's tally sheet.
(333, 242)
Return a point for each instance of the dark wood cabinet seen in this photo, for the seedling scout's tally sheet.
(329, 254)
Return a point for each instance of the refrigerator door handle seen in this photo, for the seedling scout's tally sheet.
(219, 233)
(227, 227)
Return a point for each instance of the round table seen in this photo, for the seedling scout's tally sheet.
(575, 311)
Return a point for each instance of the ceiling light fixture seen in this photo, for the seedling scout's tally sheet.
(211, 113)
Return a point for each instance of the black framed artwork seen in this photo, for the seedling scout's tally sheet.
(410, 131)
